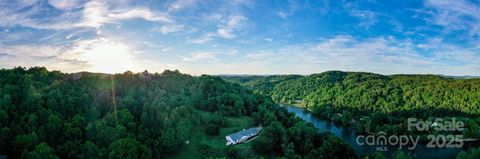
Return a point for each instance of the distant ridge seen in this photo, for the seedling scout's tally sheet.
(461, 77)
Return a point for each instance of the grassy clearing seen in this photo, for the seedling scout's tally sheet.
(199, 137)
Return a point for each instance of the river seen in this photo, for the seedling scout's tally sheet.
(348, 135)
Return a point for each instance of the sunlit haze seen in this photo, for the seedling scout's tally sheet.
(109, 57)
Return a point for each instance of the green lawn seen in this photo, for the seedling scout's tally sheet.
(200, 137)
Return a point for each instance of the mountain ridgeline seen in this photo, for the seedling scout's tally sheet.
(49, 114)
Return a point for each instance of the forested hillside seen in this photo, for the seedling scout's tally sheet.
(49, 114)
(373, 92)
(260, 84)
(371, 102)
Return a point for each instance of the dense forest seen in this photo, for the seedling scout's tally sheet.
(49, 114)
(260, 84)
(371, 102)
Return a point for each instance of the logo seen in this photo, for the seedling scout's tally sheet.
(381, 139)
(448, 134)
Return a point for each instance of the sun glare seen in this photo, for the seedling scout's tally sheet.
(109, 57)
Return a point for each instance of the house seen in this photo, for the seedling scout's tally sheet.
(243, 135)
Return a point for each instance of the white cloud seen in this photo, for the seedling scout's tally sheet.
(69, 36)
(64, 4)
(141, 13)
(93, 14)
(197, 56)
(96, 13)
(224, 33)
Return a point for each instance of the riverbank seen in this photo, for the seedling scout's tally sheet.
(348, 135)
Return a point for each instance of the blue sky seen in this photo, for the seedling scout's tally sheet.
(242, 36)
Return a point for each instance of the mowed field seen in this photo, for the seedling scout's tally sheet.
(218, 142)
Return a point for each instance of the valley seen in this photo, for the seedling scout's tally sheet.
(371, 103)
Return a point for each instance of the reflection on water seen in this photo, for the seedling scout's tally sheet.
(348, 135)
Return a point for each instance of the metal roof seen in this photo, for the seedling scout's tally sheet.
(247, 132)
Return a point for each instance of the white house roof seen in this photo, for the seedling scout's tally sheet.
(247, 132)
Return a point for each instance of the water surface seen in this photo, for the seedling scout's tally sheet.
(348, 135)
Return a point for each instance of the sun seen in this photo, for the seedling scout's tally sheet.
(108, 56)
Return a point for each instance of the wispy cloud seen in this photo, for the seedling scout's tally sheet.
(282, 14)
(180, 4)
(386, 55)
(166, 49)
(228, 27)
(367, 18)
(214, 56)
(456, 15)
(64, 4)
(94, 13)
(322, 7)
(69, 36)
(234, 23)
(168, 28)
(141, 13)
(201, 40)
(26, 3)
(44, 55)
